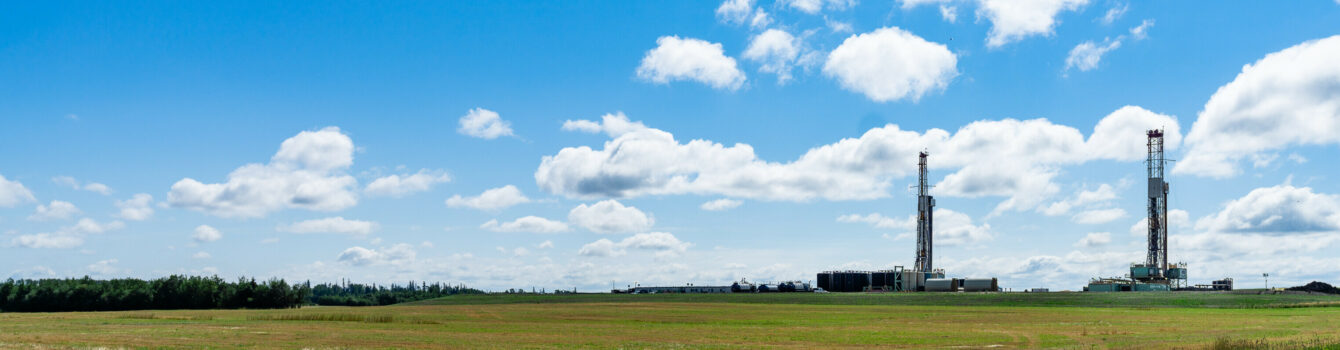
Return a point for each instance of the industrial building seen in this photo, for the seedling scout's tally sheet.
(923, 276)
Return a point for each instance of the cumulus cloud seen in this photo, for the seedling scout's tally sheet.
(336, 224)
(1095, 239)
(1114, 13)
(484, 124)
(1141, 31)
(610, 216)
(949, 13)
(1101, 195)
(891, 64)
(814, 6)
(1086, 55)
(533, 224)
(13, 192)
(735, 11)
(400, 185)
(720, 204)
(1121, 134)
(1010, 158)
(308, 172)
(1286, 98)
(104, 267)
(676, 59)
(137, 208)
(880, 221)
(205, 233)
(57, 210)
(663, 244)
(396, 255)
(71, 182)
(48, 240)
(776, 51)
(66, 237)
(491, 199)
(1282, 209)
(1013, 20)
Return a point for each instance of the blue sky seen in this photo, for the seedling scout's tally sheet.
(327, 140)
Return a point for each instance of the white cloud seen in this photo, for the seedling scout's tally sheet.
(814, 6)
(396, 255)
(104, 267)
(676, 59)
(57, 210)
(1114, 13)
(1286, 98)
(205, 233)
(72, 183)
(484, 124)
(532, 224)
(404, 184)
(546, 244)
(1095, 239)
(1282, 209)
(1014, 20)
(1103, 194)
(760, 19)
(614, 125)
(336, 224)
(880, 221)
(201, 255)
(12, 193)
(99, 188)
(735, 11)
(1121, 134)
(891, 64)
(491, 199)
(137, 208)
(1099, 216)
(720, 204)
(776, 51)
(1010, 158)
(1141, 31)
(87, 225)
(664, 244)
(308, 172)
(838, 26)
(1086, 55)
(610, 216)
(48, 240)
(949, 13)
(910, 4)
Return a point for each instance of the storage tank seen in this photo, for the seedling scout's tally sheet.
(980, 285)
(941, 285)
(767, 288)
(824, 280)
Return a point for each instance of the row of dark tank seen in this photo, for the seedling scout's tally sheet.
(900, 280)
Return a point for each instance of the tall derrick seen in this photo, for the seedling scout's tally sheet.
(925, 209)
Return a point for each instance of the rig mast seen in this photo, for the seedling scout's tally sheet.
(1157, 258)
(925, 206)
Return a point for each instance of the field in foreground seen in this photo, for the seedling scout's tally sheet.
(725, 321)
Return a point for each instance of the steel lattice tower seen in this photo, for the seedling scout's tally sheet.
(925, 206)
(1157, 259)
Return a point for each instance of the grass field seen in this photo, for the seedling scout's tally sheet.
(1053, 320)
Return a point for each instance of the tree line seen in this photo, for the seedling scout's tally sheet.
(195, 292)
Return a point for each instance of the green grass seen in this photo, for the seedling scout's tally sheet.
(1128, 299)
(750, 321)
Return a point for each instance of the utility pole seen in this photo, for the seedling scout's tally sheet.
(1266, 276)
